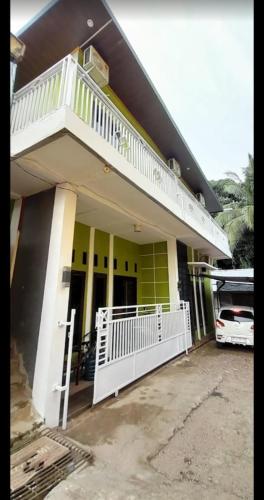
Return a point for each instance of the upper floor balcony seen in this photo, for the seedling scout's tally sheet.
(66, 98)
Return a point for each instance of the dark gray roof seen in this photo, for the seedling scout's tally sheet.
(236, 287)
(61, 27)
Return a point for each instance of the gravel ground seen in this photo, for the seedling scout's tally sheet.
(185, 431)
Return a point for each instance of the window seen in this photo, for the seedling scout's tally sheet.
(126, 265)
(95, 260)
(135, 267)
(237, 315)
(73, 255)
(115, 263)
(84, 258)
(105, 262)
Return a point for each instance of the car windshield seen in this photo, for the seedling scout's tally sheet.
(237, 315)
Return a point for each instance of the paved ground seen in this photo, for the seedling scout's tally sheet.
(185, 432)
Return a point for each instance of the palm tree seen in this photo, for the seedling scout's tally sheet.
(238, 215)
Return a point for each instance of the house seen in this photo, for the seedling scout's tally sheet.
(232, 292)
(108, 208)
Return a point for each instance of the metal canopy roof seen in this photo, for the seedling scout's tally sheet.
(61, 27)
(230, 279)
(237, 287)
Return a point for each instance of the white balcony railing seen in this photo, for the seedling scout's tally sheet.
(66, 83)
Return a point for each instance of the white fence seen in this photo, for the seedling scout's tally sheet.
(66, 83)
(133, 340)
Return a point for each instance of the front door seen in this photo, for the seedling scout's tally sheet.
(125, 293)
(99, 294)
(76, 301)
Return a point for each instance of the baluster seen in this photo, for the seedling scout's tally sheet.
(91, 110)
(87, 97)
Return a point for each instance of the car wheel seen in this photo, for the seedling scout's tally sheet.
(220, 345)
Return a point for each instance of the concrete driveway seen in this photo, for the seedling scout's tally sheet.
(185, 431)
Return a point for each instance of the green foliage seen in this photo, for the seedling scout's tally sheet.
(237, 219)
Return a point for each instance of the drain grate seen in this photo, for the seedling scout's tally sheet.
(43, 463)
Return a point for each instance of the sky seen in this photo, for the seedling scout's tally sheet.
(199, 56)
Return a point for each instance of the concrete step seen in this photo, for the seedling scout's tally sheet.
(23, 419)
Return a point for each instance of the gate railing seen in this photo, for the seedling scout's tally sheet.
(123, 330)
(132, 340)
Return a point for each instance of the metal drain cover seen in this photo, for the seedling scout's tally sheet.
(43, 463)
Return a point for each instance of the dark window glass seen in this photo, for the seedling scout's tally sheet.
(84, 259)
(73, 255)
(135, 267)
(126, 265)
(115, 263)
(105, 261)
(95, 260)
(237, 315)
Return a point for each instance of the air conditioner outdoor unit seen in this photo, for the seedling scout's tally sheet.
(95, 66)
(200, 198)
(174, 166)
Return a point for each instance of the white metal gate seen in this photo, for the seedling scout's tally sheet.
(133, 340)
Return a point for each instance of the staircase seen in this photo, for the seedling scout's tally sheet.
(24, 418)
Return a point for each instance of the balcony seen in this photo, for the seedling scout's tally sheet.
(66, 86)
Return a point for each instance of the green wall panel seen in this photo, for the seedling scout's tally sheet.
(154, 273)
(125, 250)
(101, 248)
(161, 260)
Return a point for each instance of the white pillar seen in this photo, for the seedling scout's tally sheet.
(173, 270)
(195, 299)
(110, 272)
(89, 301)
(51, 341)
(202, 304)
(14, 235)
(210, 261)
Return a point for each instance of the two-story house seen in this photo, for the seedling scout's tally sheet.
(109, 208)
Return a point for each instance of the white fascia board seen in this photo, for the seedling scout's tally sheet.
(202, 264)
(37, 132)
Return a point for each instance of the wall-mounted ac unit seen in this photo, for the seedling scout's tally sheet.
(200, 198)
(96, 67)
(174, 166)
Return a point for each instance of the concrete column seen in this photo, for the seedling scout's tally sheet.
(51, 342)
(89, 301)
(195, 299)
(202, 304)
(110, 288)
(210, 261)
(173, 270)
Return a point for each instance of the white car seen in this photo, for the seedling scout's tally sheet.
(235, 325)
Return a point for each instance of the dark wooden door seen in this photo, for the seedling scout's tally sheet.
(76, 301)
